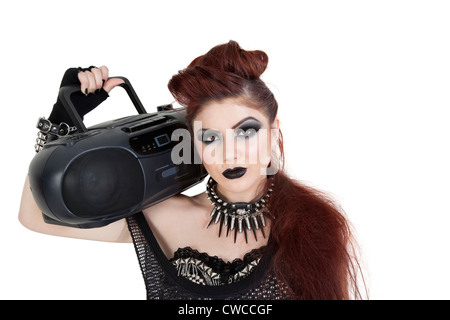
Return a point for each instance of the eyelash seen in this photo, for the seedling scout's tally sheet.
(206, 140)
(246, 132)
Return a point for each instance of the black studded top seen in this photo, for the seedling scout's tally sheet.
(194, 275)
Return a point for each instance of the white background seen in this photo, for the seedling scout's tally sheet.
(364, 93)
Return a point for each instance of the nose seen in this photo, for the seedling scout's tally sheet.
(234, 148)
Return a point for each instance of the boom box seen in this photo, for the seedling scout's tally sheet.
(111, 170)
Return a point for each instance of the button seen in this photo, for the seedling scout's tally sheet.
(166, 173)
(169, 172)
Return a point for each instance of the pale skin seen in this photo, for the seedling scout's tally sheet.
(181, 220)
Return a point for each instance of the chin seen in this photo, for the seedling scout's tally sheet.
(237, 185)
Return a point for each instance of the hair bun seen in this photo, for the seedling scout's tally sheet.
(230, 57)
(224, 71)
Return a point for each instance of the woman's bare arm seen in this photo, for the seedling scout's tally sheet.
(30, 216)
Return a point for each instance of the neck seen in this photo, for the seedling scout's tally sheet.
(250, 195)
(242, 213)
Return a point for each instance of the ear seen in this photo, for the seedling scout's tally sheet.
(275, 132)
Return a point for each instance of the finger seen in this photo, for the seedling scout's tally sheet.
(84, 82)
(112, 83)
(97, 78)
(91, 78)
(105, 73)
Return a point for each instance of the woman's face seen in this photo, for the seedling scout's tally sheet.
(235, 143)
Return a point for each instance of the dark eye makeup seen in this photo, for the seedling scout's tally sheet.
(246, 128)
(207, 136)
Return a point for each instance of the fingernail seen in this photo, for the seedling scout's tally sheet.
(97, 91)
(86, 92)
(103, 82)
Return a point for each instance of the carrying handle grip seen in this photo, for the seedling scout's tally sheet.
(66, 92)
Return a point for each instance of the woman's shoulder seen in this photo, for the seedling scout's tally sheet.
(177, 205)
(175, 221)
(176, 202)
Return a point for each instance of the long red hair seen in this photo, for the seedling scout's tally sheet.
(312, 243)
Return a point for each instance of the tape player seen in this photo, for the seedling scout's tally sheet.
(111, 170)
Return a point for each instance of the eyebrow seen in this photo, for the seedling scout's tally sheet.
(244, 120)
(203, 130)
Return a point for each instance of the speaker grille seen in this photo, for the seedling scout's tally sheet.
(103, 182)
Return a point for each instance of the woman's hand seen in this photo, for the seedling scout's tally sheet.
(94, 88)
(93, 80)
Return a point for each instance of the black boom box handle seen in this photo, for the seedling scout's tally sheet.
(66, 92)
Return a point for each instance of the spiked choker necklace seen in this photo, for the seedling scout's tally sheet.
(238, 216)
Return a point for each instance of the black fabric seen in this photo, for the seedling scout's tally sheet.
(202, 268)
(84, 104)
(162, 282)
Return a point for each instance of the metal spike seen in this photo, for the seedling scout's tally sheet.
(220, 226)
(262, 219)
(212, 219)
(233, 219)
(226, 217)
(262, 231)
(228, 228)
(255, 222)
(254, 232)
(245, 234)
(247, 221)
(213, 212)
(219, 213)
(240, 224)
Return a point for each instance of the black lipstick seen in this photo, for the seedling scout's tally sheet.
(234, 173)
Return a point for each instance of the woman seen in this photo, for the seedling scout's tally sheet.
(256, 233)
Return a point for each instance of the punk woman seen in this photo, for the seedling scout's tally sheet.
(256, 233)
